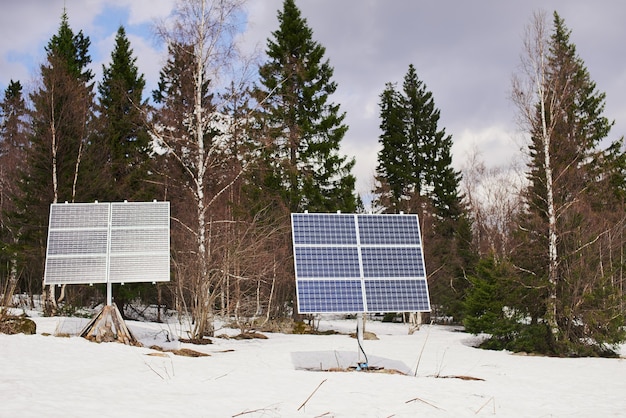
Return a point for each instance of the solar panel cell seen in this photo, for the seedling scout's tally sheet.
(79, 215)
(145, 267)
(87, 269)
(318, 229)
(77, 242)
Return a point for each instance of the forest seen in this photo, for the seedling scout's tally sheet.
(237, 146)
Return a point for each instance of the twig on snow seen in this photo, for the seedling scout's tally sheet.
(311, 395)
(152, 368)
(421, 352)
(485, 404)
(423, 401)
(252, 411)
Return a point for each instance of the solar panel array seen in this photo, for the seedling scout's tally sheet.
(351, 263)
(108, 242)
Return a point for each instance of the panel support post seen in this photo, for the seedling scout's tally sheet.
(360, 325)
(109, 294)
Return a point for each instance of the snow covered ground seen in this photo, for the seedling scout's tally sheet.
(50, 376)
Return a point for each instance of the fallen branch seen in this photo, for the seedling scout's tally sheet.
(311, 395)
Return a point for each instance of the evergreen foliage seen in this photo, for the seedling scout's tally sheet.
(234, 163)
(305, 129)
(13, 148)
(415, 175)
(415, 162)
(120, 150)
(573, 306)
(61, 117)
(118, 157)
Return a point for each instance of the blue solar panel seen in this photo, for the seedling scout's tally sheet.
(330, 296)
(397, 295)
(324, 229)
(318, 263)
(392, 262)
(388, 230)
(359, 263)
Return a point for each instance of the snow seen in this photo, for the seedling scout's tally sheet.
(55, 375)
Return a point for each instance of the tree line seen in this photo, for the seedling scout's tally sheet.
(237, 150)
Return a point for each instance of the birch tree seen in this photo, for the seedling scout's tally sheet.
(193, 131)
(561, 109)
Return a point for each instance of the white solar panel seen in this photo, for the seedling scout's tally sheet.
(359, 263)
(108, 242)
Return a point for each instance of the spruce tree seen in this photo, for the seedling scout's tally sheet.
(119, 153)
(118, 158)
(305, 129)
(415, 175)
(13, 148)
(61, 117)
(394, 162)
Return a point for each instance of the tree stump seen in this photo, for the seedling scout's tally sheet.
(109, 326)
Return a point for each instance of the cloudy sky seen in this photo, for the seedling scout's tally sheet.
(464, 51)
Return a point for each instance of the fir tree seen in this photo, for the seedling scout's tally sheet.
(304, 127)
(72, 50)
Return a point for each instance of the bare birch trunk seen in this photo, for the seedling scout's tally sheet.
(553, 275)
(527, 96)
(49, 296)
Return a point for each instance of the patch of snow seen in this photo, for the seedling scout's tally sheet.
(53, 376)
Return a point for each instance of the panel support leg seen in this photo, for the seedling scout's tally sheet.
(109, 294)
(360, 325)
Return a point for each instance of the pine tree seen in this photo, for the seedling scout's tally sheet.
(305, 129)
(119, 154)
(568, 230)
